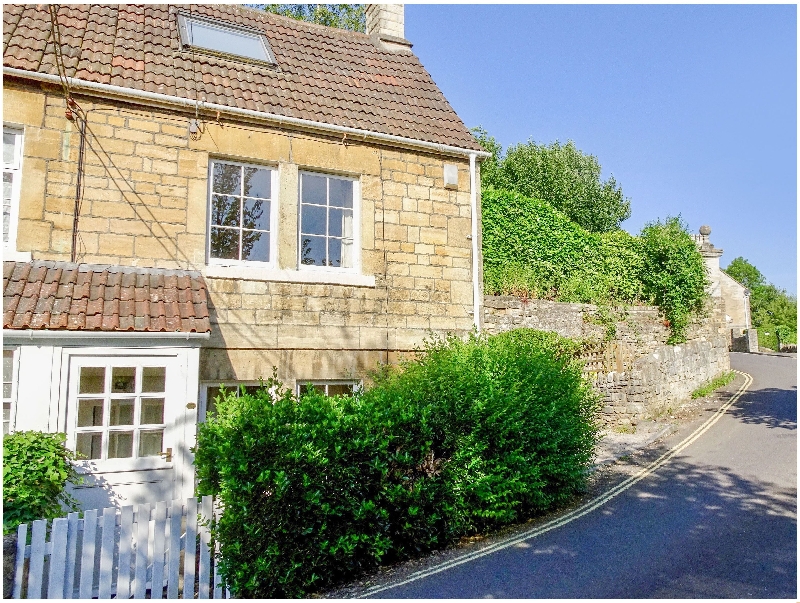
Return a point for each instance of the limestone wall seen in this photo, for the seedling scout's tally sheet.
(145, 203)
(661, 379)
(654, 374)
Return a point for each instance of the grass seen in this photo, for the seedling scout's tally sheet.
(714, 384)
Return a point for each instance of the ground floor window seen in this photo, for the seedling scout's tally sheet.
(328, 388)
(118, 409)
(9, 389)
(213, 392)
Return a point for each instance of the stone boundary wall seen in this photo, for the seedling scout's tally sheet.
(655, 375)
(661, 379)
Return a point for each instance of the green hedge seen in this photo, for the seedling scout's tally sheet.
(533, 250)
(36, 470)
(467, 437)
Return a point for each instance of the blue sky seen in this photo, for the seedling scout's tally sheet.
(692, 108)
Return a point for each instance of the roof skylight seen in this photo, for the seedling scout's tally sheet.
(223, 38)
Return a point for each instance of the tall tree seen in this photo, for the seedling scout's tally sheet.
(562, 175)
(343, 16)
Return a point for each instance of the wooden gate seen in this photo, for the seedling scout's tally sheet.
(147, 551)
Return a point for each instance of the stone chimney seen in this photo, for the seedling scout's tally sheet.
(711, 257)
(386, 24)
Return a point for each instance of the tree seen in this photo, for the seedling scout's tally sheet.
(561, 175)
(343, 16)
(747, 274)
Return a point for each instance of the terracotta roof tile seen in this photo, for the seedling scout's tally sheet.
(60, 295)
(322, 74)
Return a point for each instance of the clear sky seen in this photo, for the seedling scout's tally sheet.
(692, 108)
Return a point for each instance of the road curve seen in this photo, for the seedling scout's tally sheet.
(716, 517)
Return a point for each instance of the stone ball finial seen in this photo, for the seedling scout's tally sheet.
(705, 230)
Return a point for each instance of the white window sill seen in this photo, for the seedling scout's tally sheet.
(9, 255)
(316, 277)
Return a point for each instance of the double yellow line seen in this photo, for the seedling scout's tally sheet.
(577, 513)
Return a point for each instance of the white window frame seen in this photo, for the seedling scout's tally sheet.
(356, 383)
(15, 168)
(12, 400)
(356, 251)
(172, 409)
(228, 385)
(273, 217)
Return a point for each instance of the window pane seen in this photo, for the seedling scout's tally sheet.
(152, 411)
(340, 222)
(335, 253)
(154, 378)
(212, 393)
(341, 192)
(151, 442)
(6, 390)
(255, 246)
(251, 389)
(120, 444)
(227, 179)
(8, 365)
(257, 182)
(90, 413)
(225, 243)
(256, 214)
(226, 40)
(123, 379)
(6, 411)
(225, 211)
(340, 389)
(9, 139)
(122, 412)
(89, 445)
(313, 220)
(312, 251)
(314, 189)
(307, 387)
(93, 380)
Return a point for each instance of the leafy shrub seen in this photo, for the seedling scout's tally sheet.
(36, 470)
(531, 249)
(469, 436)
(673, 273)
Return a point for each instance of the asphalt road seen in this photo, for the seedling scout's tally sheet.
(719, 520)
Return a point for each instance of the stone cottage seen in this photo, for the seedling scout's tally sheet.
(193, 194)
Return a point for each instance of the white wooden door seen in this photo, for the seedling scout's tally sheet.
(124, 418)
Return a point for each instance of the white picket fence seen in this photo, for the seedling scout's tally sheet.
(147, 551)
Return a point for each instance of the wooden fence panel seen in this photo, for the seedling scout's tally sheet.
(58, 558)
(36, 572)
(148, 543)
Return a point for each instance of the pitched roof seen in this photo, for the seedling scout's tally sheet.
(83, 297)
(323, 74)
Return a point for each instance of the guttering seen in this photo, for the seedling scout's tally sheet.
(476, 285)
(166, 100)
(50, 334)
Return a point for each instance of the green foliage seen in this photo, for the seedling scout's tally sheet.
(343, 16)
(561, 175)
(468, 436)
(745, 273)
(532, 250)
(773, 311)
(721, 381)
(673, 273)
(36, 470)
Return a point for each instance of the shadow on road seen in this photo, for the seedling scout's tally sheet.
(769, 406)
(686, 531)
